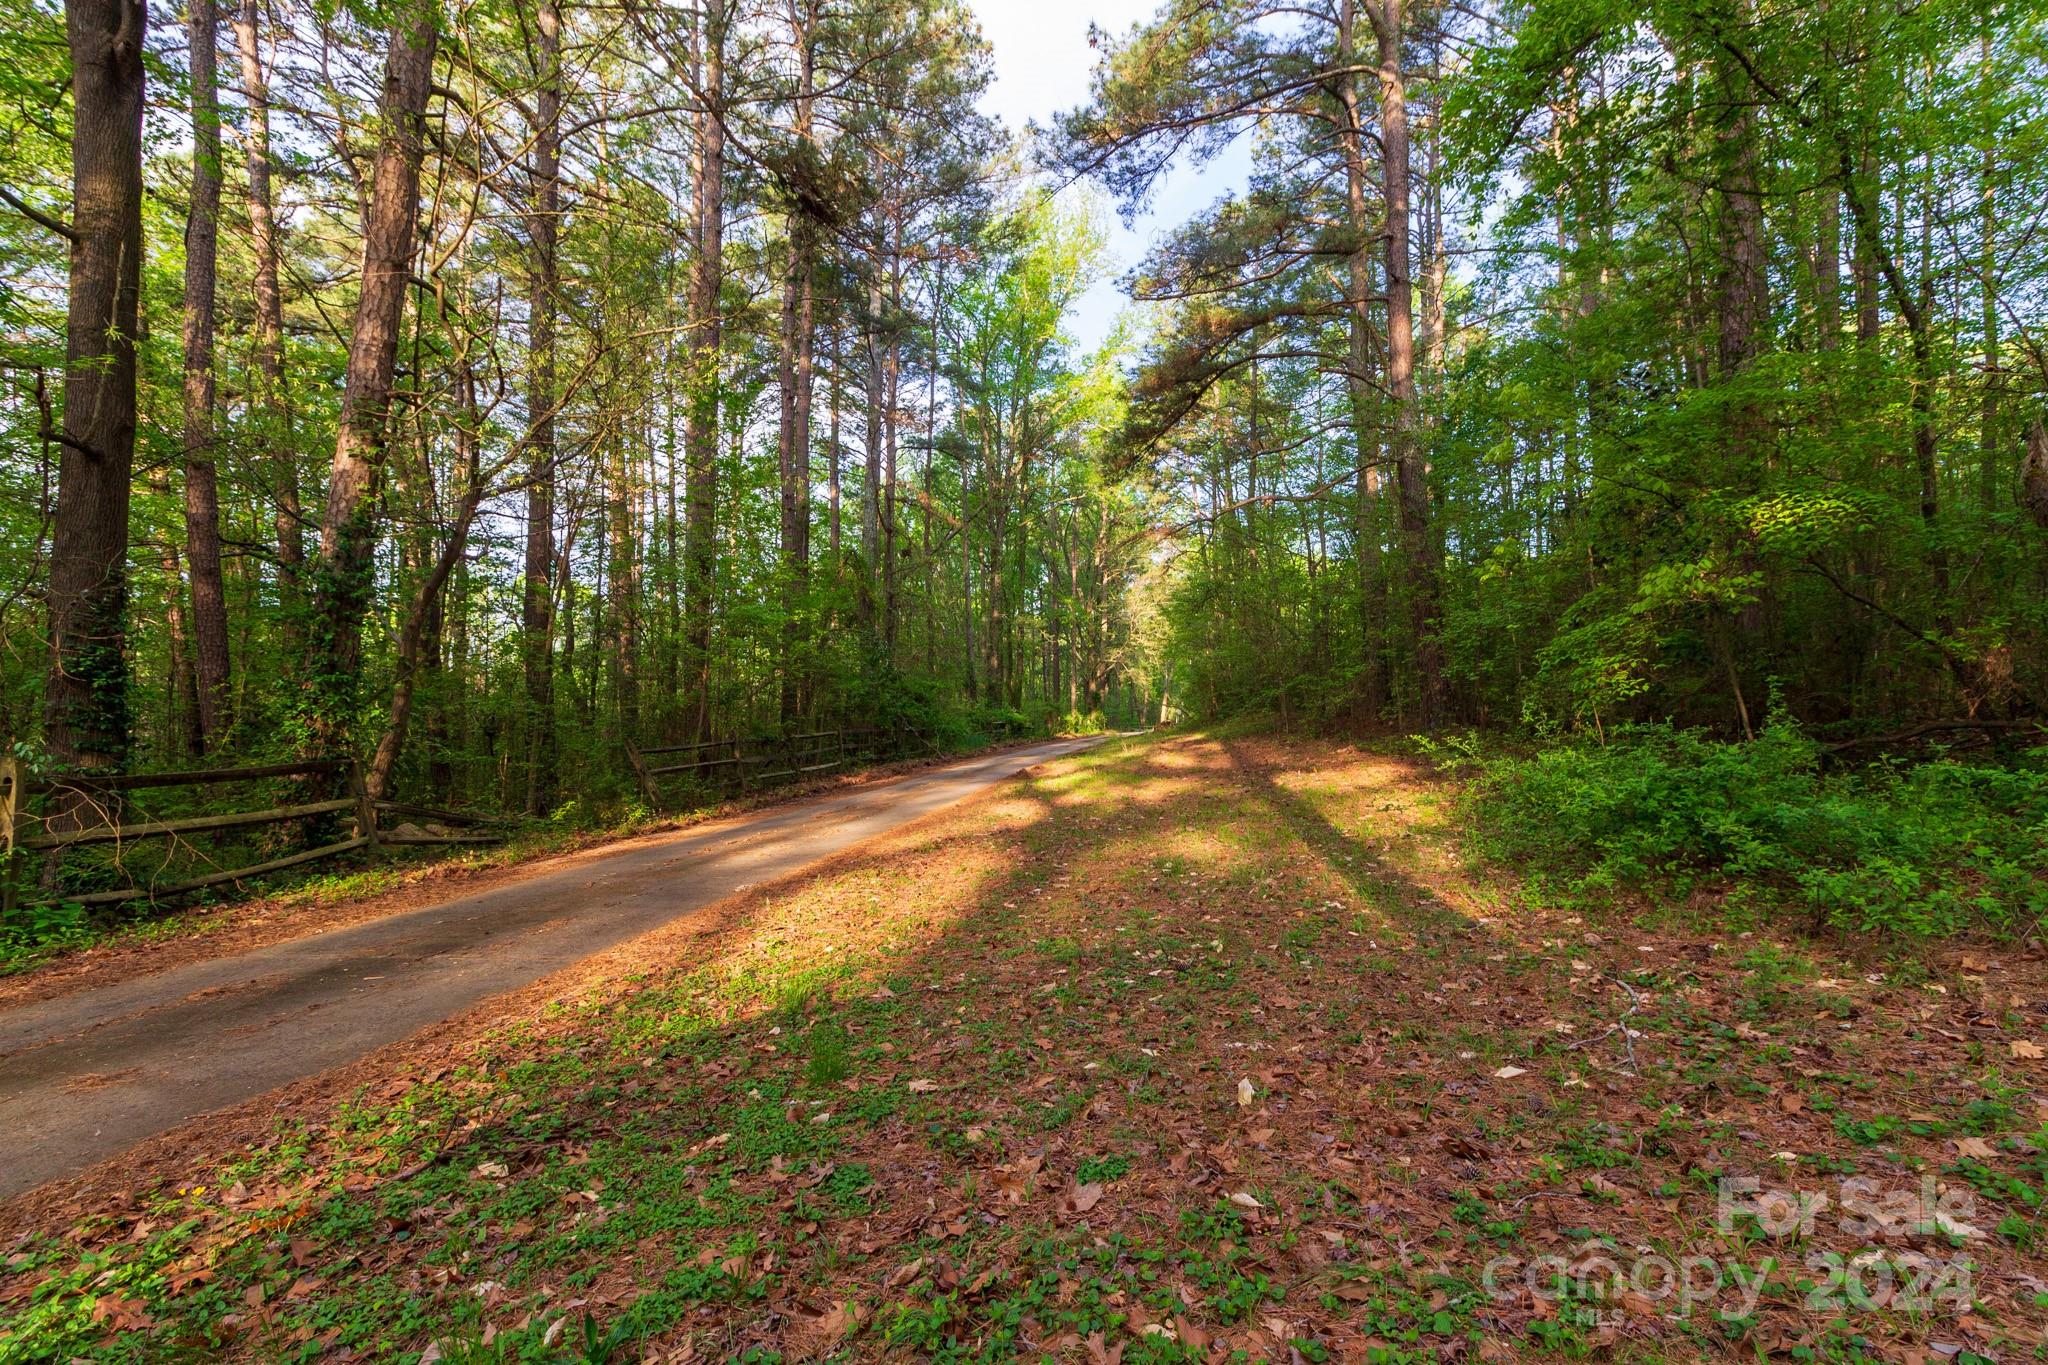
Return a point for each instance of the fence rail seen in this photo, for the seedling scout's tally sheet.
(96, 809)
(93, 808)
(744, 763)
(110, 782)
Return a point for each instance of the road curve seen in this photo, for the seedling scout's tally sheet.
(85, 1075)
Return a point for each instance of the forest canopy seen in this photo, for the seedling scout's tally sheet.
(1564, 363)
(479, 389)
(483, 388)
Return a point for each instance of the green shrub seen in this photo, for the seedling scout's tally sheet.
(923, 705)
(1000, 722)
(29, 933)
(1925, 848)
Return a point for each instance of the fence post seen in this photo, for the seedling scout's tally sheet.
(641, 775)
(366, 809)
(739, 764)
(10, 803)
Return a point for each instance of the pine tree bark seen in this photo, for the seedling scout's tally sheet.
(995, 513)
(1359, 367)
(871, 471)
(892, 378)
(622, 542)
(272, 395)
(1744, 288)
(1432, 702)
(700, 431)
(1742, 306)
(793, 432)
(86, 712)
(794, 461)
(342, 577)
(924, 521)
(1436, 264)
(202, 492)
(181, 692)
(536, 616)
(832, 445)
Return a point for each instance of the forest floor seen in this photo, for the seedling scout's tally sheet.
(1192, 1048)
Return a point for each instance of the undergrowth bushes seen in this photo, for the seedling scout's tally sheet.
(1927, 848)
(922, 705)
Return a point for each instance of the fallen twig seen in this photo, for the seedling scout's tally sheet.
(1620, 1026)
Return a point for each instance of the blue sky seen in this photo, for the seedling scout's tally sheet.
(1042, 63)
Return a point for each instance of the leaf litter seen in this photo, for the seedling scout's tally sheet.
(1196, 1050)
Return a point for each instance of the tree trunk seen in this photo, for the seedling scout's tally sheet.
(347, 528)
(2033, 482)
(1011, 671)
(1987, 272)
(1431, 699)
(536, 607)
(624, 606)
(1744, 303)
(924, 521)
(832, 445)
(968, 680)
(202, 493)
(671, 684)
(85, 720)
(266, 348)
(793, 445)
(422, 619)
(995, 495)
(793, 449)
(700, 430)
(892, 374)
(181, 709)
(1436, 263)
(1359, 370)
(871, 472)
(1864, 266)
(1914, 308)
(1827, 270)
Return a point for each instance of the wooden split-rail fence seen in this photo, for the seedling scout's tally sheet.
(53, 815)
(749, 763)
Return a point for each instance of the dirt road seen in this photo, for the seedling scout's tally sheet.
(86, 1075)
